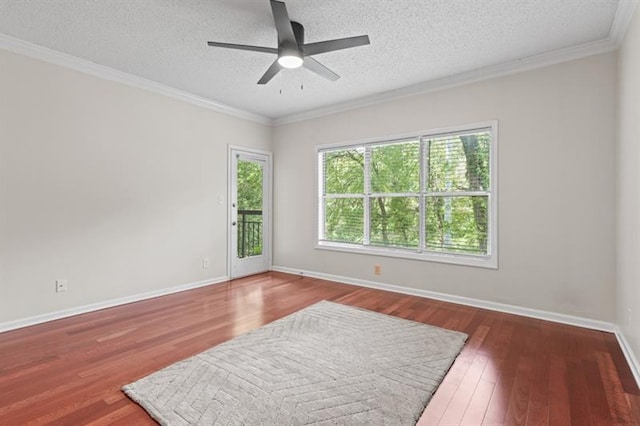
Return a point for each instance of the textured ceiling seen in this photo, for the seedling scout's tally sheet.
(412, 41)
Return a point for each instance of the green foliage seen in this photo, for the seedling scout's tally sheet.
(395, 221)
(453, 223)
(395, 168)
(249, 185)
(344, 220)
(459, 163)
(249, 224)
(344, 171)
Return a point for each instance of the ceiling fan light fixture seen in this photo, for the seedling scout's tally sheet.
(290, 61)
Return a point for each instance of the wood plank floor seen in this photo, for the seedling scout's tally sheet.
(513, 370)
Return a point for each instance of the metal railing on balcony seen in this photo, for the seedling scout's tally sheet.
(249, 233)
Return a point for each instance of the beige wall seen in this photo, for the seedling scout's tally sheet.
(113, 188)
(556, 188)
(629, 186)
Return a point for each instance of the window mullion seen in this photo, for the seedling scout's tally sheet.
(367, 195)
(394, 194)
(421, 199)
(457, 194)
(490, 229)
(336, 196)
(322, 198)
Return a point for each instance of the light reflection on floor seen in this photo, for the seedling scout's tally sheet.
(473, 389)
(249, 309)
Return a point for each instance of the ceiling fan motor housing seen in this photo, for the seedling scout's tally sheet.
(290, 54)
(290, 48)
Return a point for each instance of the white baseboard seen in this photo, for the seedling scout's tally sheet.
(632, 359)
(461, 300)
(630, 356)
(38, 319)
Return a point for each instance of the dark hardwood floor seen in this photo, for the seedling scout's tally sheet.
(513, 370)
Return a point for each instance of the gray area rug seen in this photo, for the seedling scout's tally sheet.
(327, 364)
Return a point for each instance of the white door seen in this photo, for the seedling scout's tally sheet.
(250, 212)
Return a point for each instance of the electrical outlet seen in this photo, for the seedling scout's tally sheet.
(61, 286)
(377, 269)
(205, 263)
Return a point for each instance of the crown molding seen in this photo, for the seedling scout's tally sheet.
(619, 27)
(474, 76)
(68, 61)
(622, 20)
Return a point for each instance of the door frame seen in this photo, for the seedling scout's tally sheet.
(268, 205)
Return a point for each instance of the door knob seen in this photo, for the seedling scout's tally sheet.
(233, 223)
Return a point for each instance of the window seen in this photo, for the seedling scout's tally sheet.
(430, 196)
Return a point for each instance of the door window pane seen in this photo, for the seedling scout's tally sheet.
(250, 180)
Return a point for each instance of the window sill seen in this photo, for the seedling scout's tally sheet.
(489, 262)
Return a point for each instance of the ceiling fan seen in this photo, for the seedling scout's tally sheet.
(292, 51)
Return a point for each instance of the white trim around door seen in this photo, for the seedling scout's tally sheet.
(249, 263)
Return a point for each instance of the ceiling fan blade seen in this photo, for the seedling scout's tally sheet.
(315, 66)
(332, 45)
(271, 72)
(243, 47)
(283, 23)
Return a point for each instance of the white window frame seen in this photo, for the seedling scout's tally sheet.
(489, 260)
